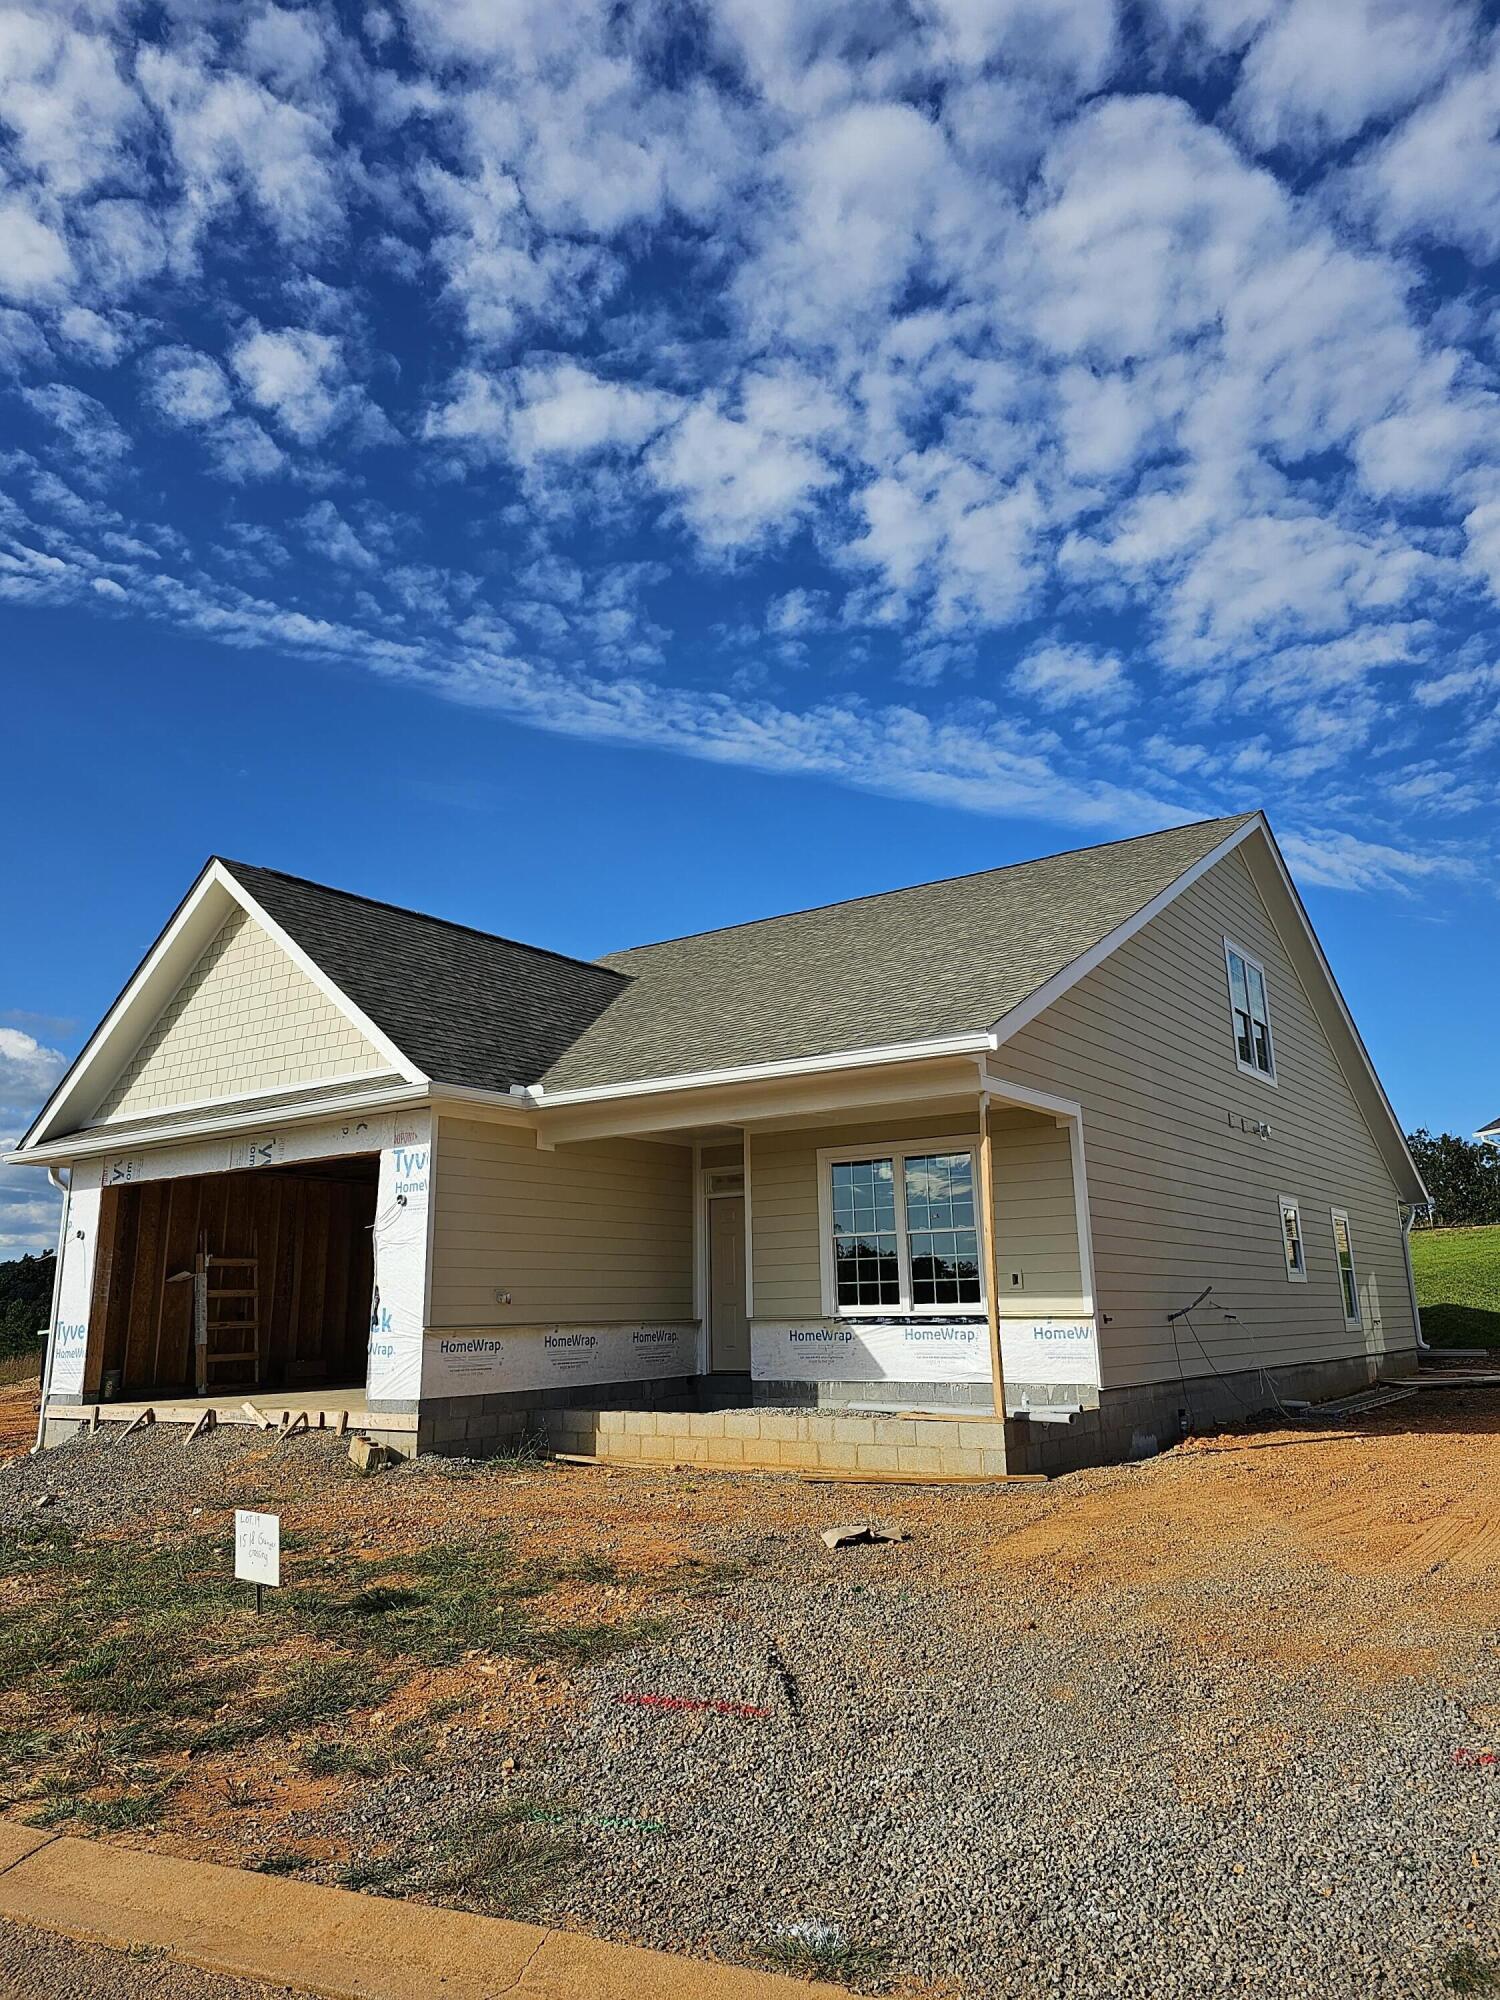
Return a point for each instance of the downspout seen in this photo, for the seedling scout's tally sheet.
(1409, 1213)
(65, 1189)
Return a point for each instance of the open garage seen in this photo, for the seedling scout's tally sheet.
(257, 1280)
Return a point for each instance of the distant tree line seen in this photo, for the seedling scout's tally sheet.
(1462, 1176)
(25, 1301)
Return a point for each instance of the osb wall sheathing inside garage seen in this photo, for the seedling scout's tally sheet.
(311, 1235)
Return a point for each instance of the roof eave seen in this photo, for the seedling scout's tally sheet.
(970, 1042)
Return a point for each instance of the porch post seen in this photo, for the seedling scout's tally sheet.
(987, 1235)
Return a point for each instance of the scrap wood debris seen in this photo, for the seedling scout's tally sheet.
(861, 1531)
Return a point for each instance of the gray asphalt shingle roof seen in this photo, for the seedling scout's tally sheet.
(904, 966)
(466, 1007)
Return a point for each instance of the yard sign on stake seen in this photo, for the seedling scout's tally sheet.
(257, 1550)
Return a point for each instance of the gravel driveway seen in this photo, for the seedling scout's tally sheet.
(1222, 1723)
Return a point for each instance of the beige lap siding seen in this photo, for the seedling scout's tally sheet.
(1036, 1232)
(588, 1233)
(245, 1019)
(1181, 1198)
(1033, 1197)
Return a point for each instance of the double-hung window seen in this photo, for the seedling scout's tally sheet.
(1250, 1013)
(1343, 1246)
(901, 1229)
(1291, 1241)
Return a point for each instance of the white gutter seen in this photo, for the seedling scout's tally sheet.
(65, 1189)
(976, 1042)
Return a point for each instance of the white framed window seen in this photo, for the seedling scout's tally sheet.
(1292, 1246)
(899, 1228)
(1343, 1249)
(1250, 1013)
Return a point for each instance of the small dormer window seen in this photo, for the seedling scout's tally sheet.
(1249, 1013)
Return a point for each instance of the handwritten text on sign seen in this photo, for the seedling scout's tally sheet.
(257, 1547)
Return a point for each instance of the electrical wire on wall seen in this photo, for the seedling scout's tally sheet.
(1185, 1314)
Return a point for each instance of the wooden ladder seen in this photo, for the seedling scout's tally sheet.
(226, 1318)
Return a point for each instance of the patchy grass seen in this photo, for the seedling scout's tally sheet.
(1468, 1971)
(280, 1861)
(819, 1951)
(118, 1654)
(110, 1815)
(344, 1759)
(1458, 1285)
(500, 1862)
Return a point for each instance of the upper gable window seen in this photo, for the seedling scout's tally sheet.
(1250, 1012)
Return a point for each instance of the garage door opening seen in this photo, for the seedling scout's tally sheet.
(214, 1284)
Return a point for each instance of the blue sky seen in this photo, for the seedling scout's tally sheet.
(599, 477)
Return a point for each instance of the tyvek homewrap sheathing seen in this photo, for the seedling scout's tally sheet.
(1042, 1350)
(70, 1336)
(401, 1239)
(531, 1358)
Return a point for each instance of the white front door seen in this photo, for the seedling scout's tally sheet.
(728, 1328)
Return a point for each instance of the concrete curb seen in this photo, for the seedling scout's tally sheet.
(334, 1942)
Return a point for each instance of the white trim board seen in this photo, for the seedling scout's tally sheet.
(100, 1140)
(244, 1100)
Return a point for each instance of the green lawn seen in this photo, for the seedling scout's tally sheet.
(1458, 1285)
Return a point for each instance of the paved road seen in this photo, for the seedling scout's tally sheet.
(35, 1965)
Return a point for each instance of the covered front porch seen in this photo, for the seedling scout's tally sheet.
(856, 1270)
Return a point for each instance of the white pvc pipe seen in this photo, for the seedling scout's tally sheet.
(1407, 1219)
(65, 1189)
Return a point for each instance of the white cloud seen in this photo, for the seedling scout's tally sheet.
(69, 110)
(565, 410)
(1482, 527)
(36, 263)
(187, 387)
(1073, 38)
(1066, 676)
(936, 528)
(332, 537)
(298, 376)
(230, 136)
(1323, 69)
(1330, 859)
(95, 439)
(28, 1070)
(734, 480)
(284, 47)
(1437, 177)
(99, 337)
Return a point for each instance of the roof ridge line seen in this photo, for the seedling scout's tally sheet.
(424, 916)
(907, 888)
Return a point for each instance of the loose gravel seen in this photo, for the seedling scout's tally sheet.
(35, 1965)
(1124, 1735)
(1000, 1808)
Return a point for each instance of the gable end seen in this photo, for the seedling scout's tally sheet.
(245, 1021)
